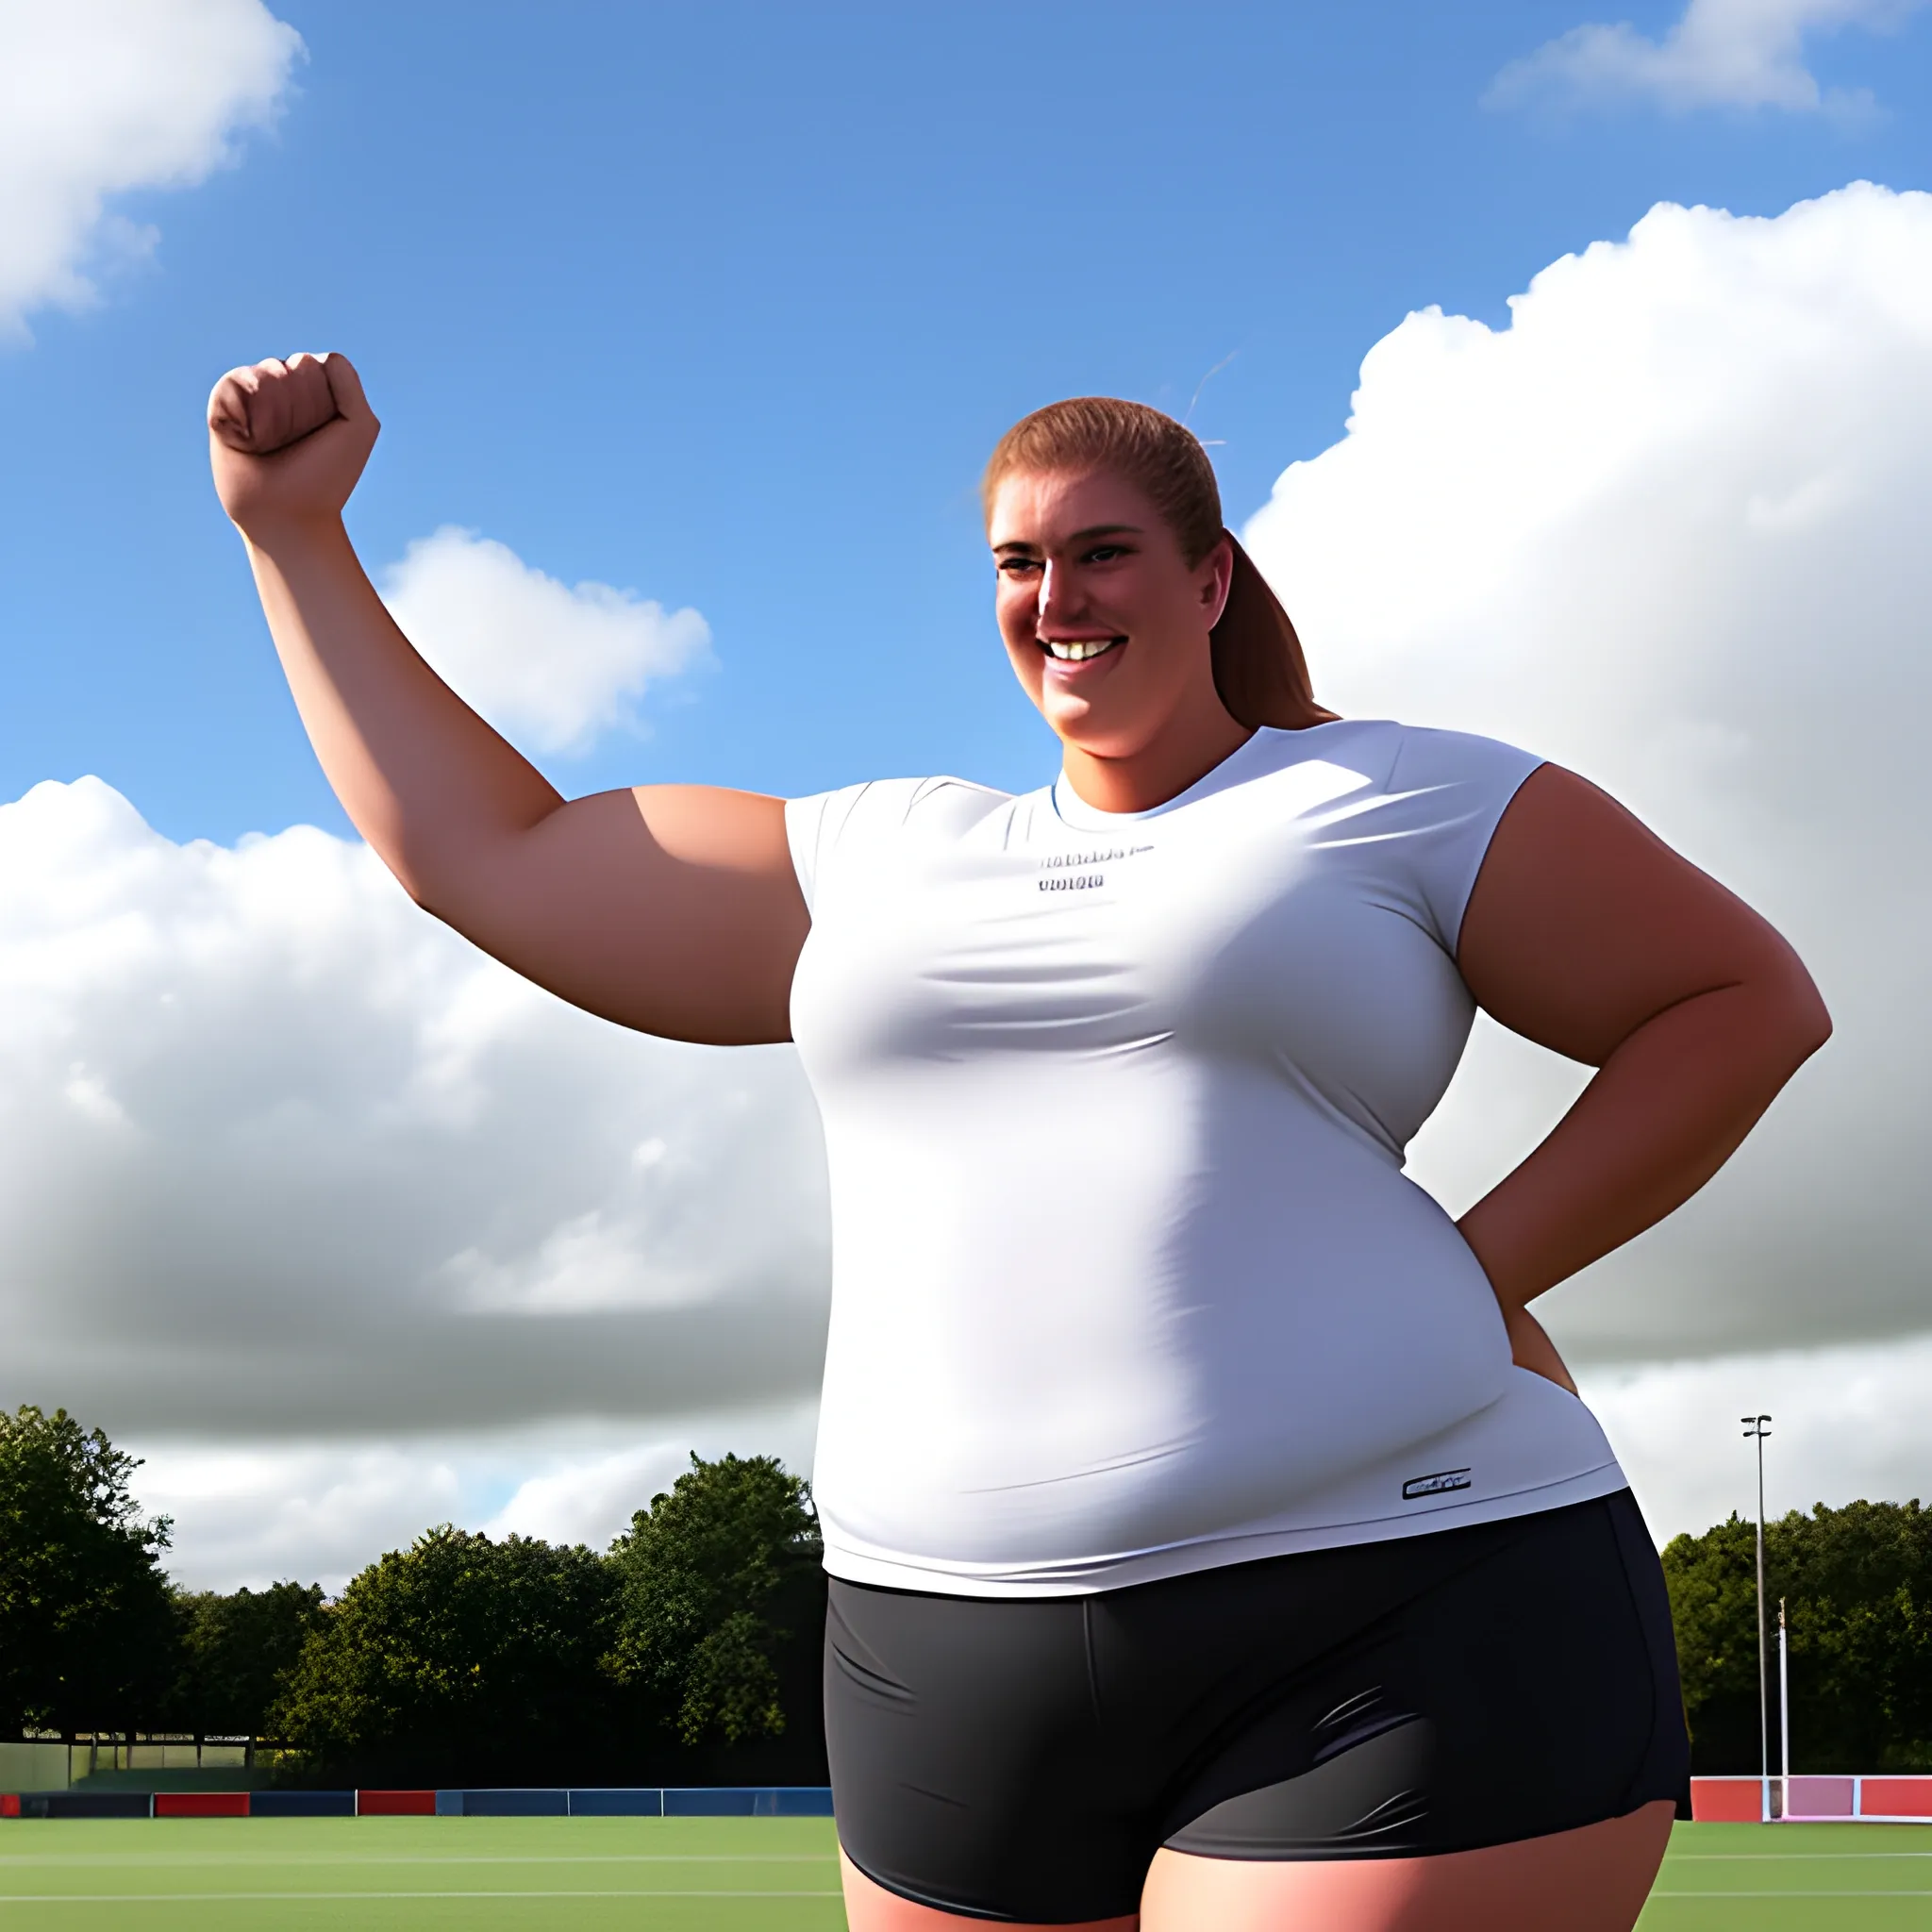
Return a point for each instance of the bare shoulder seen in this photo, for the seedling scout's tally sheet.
(1583, 922)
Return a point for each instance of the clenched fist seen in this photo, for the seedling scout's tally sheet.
(287, 441)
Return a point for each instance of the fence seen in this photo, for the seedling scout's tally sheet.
(649, 1801)
(1875, 1800)
(1870, 1799)
(48, 1761)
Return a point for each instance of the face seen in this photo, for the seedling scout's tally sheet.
(1105, 621)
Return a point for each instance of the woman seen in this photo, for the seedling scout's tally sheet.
(1216, 1539)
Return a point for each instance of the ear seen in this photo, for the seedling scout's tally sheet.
(1215, 577)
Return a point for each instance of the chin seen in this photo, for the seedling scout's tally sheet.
(1096, 739)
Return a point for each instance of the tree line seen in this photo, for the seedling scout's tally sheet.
(1857, 1589)
(685, 1653)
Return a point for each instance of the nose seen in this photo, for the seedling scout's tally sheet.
(1057, 595)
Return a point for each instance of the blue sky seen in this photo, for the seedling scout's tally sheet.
(726, 304)
(348, 1232)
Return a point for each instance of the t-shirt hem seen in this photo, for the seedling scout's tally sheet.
(926, 1578)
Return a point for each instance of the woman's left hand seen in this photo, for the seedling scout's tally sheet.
(1531, 1348)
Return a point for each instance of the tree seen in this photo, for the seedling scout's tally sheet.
(1857, 1587)
(458, 1660)
(239, 1654)
(722, 1590)
(86, 1627)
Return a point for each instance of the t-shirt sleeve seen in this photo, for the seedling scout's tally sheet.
(1459, 786)
(813, 828)
(843, 832)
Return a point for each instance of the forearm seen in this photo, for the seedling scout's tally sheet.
(422, 777)
(1664, 1113)
(673, 909)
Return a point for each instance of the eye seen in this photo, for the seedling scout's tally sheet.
(1107, 553)
(1017, 566)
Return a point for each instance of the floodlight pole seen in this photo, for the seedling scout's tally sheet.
(1784, 1717)
(1754, 1427)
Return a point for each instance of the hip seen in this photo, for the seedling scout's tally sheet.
(1025, 1759)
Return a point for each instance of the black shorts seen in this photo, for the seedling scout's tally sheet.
(1023, 1758)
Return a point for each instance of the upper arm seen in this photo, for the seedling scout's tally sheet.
(1583, 924)
(672, 908)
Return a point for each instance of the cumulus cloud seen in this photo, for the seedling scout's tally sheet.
(1720, 53)
(285, 1158)
(348, 1230)
(321, 1510)
(1668, 529)
(101, 96)
(551, 664)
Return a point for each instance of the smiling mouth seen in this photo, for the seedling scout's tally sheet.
(1077, 650)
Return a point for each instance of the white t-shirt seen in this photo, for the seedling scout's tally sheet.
(1127, 1279)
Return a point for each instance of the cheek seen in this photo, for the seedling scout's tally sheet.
(1146, 605)
(1017, 616)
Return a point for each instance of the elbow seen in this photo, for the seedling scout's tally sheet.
(1802, 1020)
(423, 868)
(1814, 1026)
(411, 880)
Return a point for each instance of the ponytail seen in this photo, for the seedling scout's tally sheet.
(1259, 668)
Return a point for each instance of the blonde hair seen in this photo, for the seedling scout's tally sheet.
(1258, 667)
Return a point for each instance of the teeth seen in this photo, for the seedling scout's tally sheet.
(1079, 652)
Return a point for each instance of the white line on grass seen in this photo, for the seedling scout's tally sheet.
(1782, 1894)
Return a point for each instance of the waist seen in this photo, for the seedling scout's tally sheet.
(899, 1513)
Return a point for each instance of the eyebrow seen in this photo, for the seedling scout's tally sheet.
(1081, 536)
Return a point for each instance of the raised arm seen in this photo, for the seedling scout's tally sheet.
(672, 908)
(1586, 934)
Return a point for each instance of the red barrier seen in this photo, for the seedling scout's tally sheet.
(395, 1803)
(201, 1804)
(1727, 1800)
(9, 1804)
(1897, 1798)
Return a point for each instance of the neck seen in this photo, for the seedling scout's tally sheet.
(1181, 755)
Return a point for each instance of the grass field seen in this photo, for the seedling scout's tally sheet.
(731, 1874)
(1782, 1878)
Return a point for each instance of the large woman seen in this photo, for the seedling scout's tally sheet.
(1216, 1541)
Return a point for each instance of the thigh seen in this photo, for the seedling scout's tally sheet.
(968, 1771)
(1592, 1879)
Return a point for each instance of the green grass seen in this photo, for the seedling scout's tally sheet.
(758, 1874)
(421, 1874)
(1795, 1878)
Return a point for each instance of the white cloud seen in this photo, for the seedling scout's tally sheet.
(1720, 53)
(285, 1158)
(1846, 1423)
(348, 1230)
(548, 663)
(315, 1513)
(1669, 529)
(319, 1511)
(101, 96)
(587, 1494)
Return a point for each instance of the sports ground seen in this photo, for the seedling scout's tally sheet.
(747, 1874)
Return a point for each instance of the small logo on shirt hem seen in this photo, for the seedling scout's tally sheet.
(1434, 1485)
